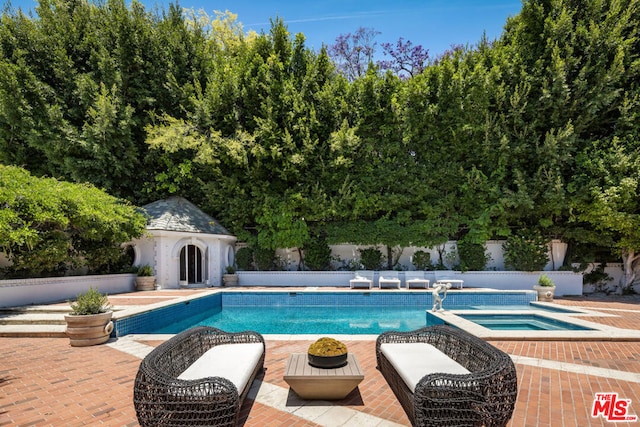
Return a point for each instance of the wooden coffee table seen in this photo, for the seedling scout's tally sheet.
(326, 384)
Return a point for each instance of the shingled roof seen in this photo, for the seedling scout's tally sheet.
(179, 214)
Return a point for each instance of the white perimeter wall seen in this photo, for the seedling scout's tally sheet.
(567, 283)
(21, 292)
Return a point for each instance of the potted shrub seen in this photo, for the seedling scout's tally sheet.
(146, 280)
(230, 278)
(545, 288)
(327, 353)
(89, 322)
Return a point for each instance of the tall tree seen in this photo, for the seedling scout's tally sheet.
(353, 52)
(406, 60)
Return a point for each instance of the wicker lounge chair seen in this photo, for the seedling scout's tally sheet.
(171, 390)
(480, 391)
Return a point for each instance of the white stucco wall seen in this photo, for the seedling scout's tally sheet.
(290, 257)
(161, 249)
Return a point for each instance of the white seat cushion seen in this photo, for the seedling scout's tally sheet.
(413, 361)
(235, 362)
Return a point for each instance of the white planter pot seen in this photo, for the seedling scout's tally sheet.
(545, 293)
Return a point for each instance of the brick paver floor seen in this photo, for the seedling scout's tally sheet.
(45, 382)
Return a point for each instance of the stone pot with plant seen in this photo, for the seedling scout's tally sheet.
(89, 322)
(230, 278)
(145, 280)
(545, 288)
(327, 353)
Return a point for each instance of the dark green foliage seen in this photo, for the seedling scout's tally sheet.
(598, 277)
(422, 260)
(244, 258)
(473, 256)
(537, 130)
(265, 259)
(525, 252)
(317, 255)
(49, 227)
(371, 258)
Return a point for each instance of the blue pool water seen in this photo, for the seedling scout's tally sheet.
(310, 320)
(310, 312)
(527, 322)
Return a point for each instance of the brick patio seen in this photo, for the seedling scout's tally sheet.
(45, 382)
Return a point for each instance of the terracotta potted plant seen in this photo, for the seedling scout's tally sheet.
(230, 278)
(545, 288)
(327, 353)
(89, 322)
(146, 280)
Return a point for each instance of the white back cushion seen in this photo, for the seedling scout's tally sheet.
(415, 360)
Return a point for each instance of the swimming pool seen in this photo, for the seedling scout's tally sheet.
(522, 322)
(309, 312)
(310, 320)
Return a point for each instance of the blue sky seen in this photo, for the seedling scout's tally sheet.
(434, 24)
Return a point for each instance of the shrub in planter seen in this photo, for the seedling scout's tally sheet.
(230, 278)
(90, 302)
(526, 252)
(89, 322)
(545, 288)
(145, 271)
(544, 281)
(146, 280)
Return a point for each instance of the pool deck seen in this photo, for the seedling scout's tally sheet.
(45, 382)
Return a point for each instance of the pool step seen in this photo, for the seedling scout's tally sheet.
(33, 322)
(32, 319)
(33, 331)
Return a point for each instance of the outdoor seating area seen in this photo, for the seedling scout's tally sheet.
(199, 377)
(390, 279)
(445, 376)
(439, 375)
